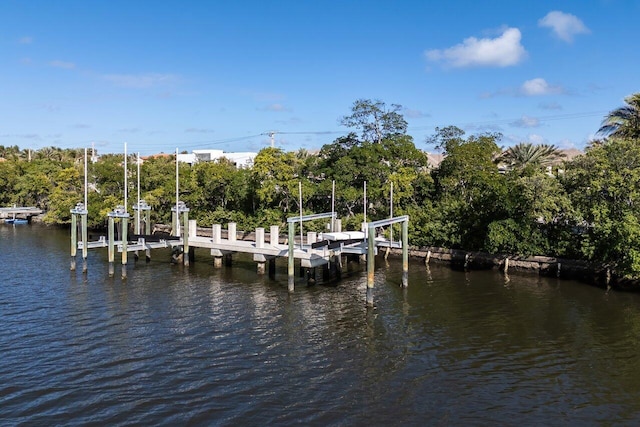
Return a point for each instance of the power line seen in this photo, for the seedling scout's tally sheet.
(271, 134)
(568, 116)
(222, 141)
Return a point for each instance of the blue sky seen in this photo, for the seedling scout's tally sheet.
(162, 75)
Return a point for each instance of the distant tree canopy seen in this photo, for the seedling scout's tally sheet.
(374, 120)
(587, 208)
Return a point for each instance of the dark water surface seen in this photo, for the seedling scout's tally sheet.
(198, 346)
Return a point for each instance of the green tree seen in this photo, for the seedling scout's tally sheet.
(276, 175)
(539, 218)
(109, 174)
(375, 120)
(470, 191)
(350, 163)
(446, 138)
(218, 185)
(9, 174)
(523, 155)
(623, 122)
(67, 192)
(604, 186)
(158, 182)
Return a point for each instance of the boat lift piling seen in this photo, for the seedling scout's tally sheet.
(291, 238)
(181, 208)
(371, 263)
(79, 211)
(143, 217)
(120, 213)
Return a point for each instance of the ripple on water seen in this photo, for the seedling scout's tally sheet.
(202, 346)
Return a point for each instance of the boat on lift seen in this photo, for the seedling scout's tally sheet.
(16, 221)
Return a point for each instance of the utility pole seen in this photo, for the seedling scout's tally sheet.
(272, 134)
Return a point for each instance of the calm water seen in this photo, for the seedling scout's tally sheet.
(198, 346)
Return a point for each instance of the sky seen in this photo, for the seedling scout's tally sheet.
(167, 75)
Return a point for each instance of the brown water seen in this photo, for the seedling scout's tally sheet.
(198, 346)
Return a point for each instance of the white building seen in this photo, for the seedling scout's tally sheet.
(187, 158)
(241, 160)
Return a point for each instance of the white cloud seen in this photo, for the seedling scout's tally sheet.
(139, 81)
(533, 87)
(566, 144)
(50, 108)
(526, 122)
(199, 130)
(539, 86)
(484, 127)
(263, 96)
(502, 51)
(536, 139)
(62, 64)
(550, 106)
(564, 25)
(278, 108)
(33, 136)
(291, 121)
(414, 114)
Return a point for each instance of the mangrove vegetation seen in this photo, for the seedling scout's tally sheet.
(523, 200)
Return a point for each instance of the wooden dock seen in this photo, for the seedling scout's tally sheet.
(22, 212)
(313, 250)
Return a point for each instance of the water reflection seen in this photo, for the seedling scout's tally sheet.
(226, 346)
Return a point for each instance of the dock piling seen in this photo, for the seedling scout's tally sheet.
(85, 242)
(79, 210)
(290, 265)
(371, 264)
(371, 246)
(261, 259)
(405, 254)
(111, 244)
(274, 235)
(118, 212)
(125, 228)
(74, 239)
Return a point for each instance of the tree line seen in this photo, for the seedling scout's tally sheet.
(525, 200)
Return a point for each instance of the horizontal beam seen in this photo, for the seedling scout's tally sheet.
(388, 221)
(310, 217)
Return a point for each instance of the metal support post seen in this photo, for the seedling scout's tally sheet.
(74, 240)
(405, 253)
(371, 264)
(111, 243)
(85, 248)
(125, 227)
(147, 231)
(185, 238)
(175, 224)
(290, 266)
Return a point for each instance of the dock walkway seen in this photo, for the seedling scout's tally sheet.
(24, 212)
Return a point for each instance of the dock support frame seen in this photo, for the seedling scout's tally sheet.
(371, 263)
(79, 211)
(121, 213)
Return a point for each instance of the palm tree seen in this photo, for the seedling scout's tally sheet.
(623, 122)
(525, 154)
